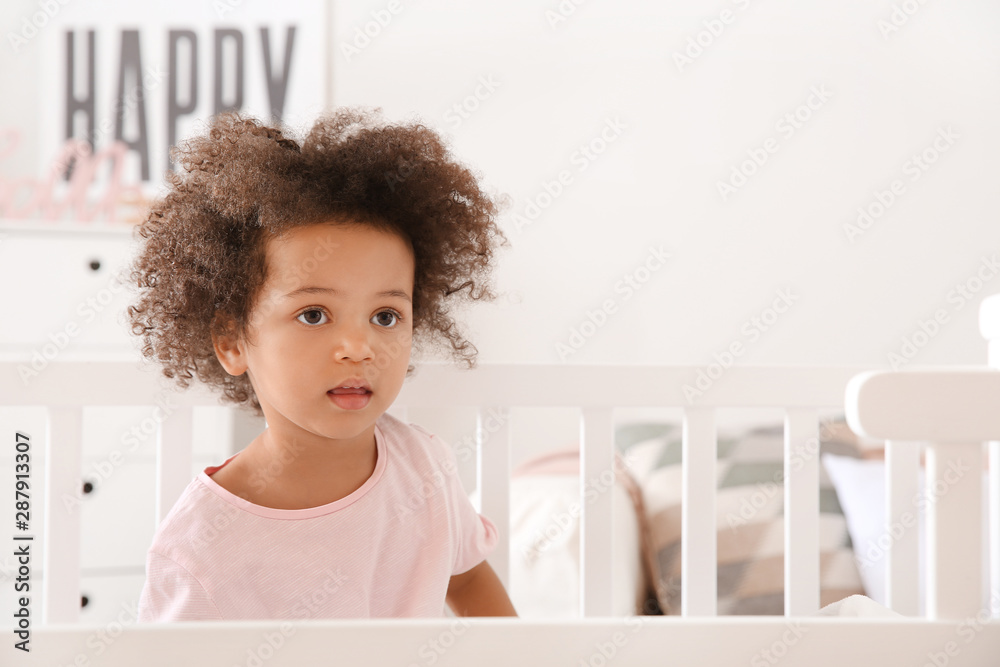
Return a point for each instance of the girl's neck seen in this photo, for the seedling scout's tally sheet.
(284, 473)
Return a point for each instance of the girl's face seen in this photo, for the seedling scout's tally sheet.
(336, 311)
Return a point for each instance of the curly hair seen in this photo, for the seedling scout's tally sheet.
(201, 264)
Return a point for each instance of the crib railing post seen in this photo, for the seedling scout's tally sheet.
(699, 561)
(989, 326)
(953, 494)
(174, 444)
(994, 525)
(597, 486)
(957, 408)
(61, 545)
(902, 516)
(801, 512)
(493, 444)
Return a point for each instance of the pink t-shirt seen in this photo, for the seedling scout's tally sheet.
(387, 550)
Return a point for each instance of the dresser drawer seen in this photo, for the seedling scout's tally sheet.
(68, 293)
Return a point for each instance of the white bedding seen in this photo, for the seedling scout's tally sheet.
(545, 549)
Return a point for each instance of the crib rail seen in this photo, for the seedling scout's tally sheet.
(492, 389)
(496, 642)
(955, 412)
(597, 390)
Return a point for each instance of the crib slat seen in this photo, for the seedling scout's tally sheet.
(994, 526)
(801, 512)
(989, 327)
(174, 443)
(902, 516)
(699, 565)
(63, 492)
(597, 480)
(493, 479)
(953, 490)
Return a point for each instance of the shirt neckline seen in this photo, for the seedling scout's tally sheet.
(304, 513)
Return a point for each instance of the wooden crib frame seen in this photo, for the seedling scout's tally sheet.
(954, 411)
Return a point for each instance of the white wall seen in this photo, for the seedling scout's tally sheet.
(686, 130)
(656, 184)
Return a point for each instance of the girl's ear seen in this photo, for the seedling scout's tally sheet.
(229, 349)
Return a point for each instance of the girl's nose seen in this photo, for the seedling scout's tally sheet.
(352, 343)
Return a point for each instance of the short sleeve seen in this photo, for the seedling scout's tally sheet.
(476, 536)
(171, 593)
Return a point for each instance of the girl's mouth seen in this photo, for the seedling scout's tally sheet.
(350, 398)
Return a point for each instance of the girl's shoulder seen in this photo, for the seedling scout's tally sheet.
(392, 427)
(409, 439)
(194, 518)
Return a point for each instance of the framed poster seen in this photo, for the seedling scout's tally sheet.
(123, 82)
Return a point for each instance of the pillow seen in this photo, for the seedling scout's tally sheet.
(860, 484)
(545, 539)
(750, 538)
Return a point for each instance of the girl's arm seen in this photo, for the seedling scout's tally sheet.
(478, 592)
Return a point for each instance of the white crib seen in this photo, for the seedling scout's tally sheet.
(953, 411)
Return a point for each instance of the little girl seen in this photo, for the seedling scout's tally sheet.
(292, 277)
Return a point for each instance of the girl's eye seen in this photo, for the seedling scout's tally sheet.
(386, 318)
(311, 316)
